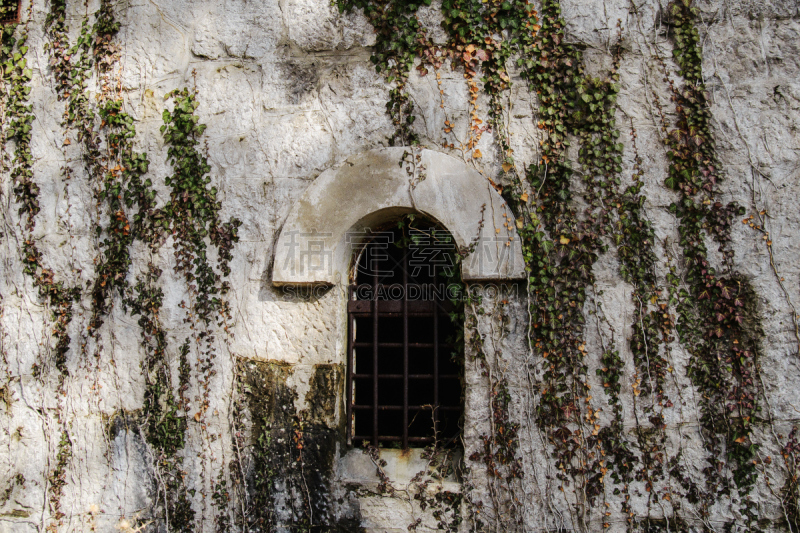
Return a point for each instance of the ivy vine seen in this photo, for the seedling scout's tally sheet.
(192, 213)
(717, 322)
(560, 245)
(103, 134)
(712, 310)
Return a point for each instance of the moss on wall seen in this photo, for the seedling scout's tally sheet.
(293, 452)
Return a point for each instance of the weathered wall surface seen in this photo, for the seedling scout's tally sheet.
(139, 407)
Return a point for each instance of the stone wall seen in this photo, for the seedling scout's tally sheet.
(246, 432)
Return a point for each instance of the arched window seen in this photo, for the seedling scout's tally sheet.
(405, 364)
(400, 382)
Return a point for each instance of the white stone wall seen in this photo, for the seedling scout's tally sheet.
(287, 91)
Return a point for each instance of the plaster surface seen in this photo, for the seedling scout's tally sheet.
(297, 140)
(337, 212)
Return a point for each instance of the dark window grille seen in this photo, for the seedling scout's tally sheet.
(404, 377)
(10, 11)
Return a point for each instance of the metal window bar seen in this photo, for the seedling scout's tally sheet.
(400, 344)
(375, 309)
(410, 376)
(436, 372)
(405, 352)
(410, 407)
(15, 18)
(351, 325)
(375, 370)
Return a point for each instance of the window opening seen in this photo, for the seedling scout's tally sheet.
(404, 363)
(9, 11)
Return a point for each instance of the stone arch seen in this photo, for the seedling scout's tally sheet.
(315, 243)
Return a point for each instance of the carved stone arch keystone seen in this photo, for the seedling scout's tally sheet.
(315, 243)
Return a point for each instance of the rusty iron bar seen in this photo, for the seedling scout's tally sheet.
(351, 324)
(410, 376)
(405, 352)
(410, 407)
(436, 373)
(375, 316)
(400, 344)
(384, 438)
(17, 15)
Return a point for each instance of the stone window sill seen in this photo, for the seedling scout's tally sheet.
(357, 468)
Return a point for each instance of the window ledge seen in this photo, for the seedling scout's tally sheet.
(356, 467)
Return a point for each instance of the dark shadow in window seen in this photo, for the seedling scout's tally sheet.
(405, 366)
